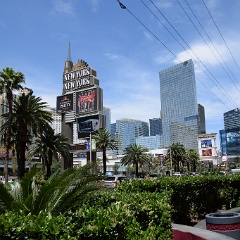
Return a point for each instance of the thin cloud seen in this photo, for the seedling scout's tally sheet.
(63, 7)
(203, 53)
(112, 56)
(163, 4)
(94, 4)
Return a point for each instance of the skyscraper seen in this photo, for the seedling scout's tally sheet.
(232, 119)
(201, 120)
(179, 109)
(127, 130)
(155, 125)
(107, 113)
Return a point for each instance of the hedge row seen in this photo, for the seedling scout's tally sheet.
(192, 197)
(113, 215)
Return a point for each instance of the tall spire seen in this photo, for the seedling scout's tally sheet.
(69, 53)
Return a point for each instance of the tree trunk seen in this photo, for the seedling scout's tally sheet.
(48, 170)
(104, 162)
(21, 160)
(136, 169)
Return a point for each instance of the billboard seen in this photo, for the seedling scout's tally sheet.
(207, 152)
(206, 143)
(88, 124)
(65, 103)
(233, 142)
(87, 101)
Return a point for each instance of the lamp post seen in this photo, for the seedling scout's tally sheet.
(171, 160)
(5, 155)
(90, 149)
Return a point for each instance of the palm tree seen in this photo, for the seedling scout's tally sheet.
(29, 117)
(103, 141)
(193, 158)
(9, 81)
(62, 192)
(136, 155)
(48, 146)
(176, 153)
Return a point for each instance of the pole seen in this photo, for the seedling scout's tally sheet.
(90, 155)
(6, 169)
(6, 155)
(171, 159)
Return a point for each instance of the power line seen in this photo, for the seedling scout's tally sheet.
(125, 8)
(216, 83)
(210, 50)
(209, 45)
(221, 35)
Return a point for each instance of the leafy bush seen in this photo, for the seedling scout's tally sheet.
(112, 215)
(192, 197)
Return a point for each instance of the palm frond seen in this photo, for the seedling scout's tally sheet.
(6, 199)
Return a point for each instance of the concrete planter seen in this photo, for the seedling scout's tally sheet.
(226, 223)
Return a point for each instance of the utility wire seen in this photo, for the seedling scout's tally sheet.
(216, 83)
(124, 7)
(221, 35)
(210, 50)
(213, 46)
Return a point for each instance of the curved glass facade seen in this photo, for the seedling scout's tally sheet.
(179, 109)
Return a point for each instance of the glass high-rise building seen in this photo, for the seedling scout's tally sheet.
(201, 120)
(232, 119)
(179, 108)
(150, 142)
(127, 130)
(107, 113)
(155, 125)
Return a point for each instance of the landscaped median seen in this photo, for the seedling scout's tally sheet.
(112, 215)
(192, 197)
(135, 210)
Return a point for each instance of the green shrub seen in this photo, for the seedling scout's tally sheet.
(112, 215)
(192, 197)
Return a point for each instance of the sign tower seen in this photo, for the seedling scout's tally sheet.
(81, 102)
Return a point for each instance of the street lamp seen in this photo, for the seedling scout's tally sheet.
(170, 160)
(5, 155)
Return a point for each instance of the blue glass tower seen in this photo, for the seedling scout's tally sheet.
(179, 109)
(127, 130)
(155, 126)
(107, 113)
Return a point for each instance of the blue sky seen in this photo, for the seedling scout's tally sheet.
(128, 48)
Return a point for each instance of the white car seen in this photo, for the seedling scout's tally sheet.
(177, 174)
(112, 181)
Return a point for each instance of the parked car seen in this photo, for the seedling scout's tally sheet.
(112, 181)
(177, 174)
(194, 174)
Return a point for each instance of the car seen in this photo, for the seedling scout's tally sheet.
(177, 174)
(112, 181)
(194, 174)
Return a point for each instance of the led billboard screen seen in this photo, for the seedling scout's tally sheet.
(233, 142)
(206, 143)
(65, 103)
(87, 101)
(207, 152)
(87, 124)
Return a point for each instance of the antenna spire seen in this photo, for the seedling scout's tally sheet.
(69, 53)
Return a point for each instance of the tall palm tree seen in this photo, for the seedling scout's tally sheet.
(62, 192)
(29, 117)
(176, 153)
(135, 154)
(193, 158)
(103, 141)
(49, 145)
(9, 81)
